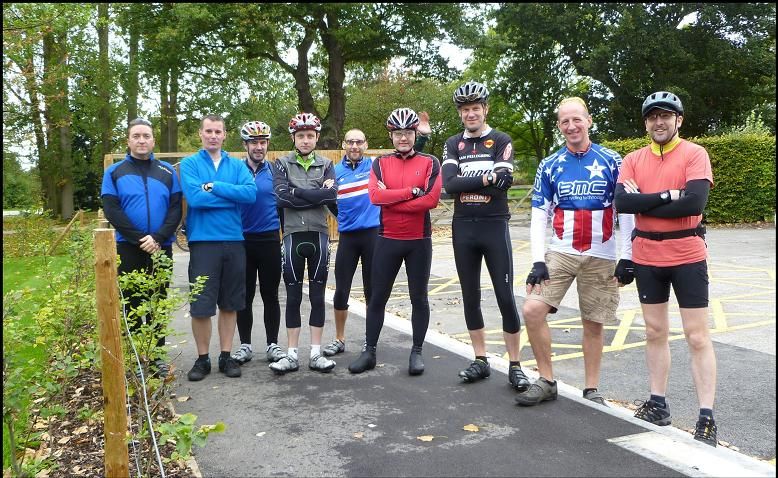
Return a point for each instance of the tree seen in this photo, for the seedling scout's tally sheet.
(343, 34)
(722, 66)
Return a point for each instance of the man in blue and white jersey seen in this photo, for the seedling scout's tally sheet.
(575, 187)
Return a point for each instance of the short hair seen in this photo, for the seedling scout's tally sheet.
(351, 130)
(139, 121)
(573, 99)
(214, 118)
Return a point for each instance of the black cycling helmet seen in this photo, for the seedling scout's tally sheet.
(664, 100)
(471, 92)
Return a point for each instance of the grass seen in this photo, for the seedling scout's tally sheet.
(30, 273)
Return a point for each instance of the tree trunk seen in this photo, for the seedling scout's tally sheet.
(172, 119)
(132, 75)
(103, 81)
(31, 83)
(302, 79)
(164, 143)
(336, 76)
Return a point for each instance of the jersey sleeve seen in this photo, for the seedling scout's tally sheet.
(503, 154)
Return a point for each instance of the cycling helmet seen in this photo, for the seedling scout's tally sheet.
(255, 130)
(402, 118)
(303, 121)
(471, 92)
(663, 100)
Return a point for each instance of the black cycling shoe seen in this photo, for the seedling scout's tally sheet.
(202, 367)
(415, 362)
(477, 370)
(517, 379)
(652, 412)
(705, 431)
(366, 361)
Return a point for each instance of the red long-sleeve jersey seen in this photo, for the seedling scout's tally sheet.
(403, 216)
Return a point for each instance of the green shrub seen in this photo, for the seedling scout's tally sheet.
(743, 174)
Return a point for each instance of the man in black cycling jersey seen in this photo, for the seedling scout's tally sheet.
(304, 183)
(477, 170)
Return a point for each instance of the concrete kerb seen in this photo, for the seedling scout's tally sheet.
(668, 445)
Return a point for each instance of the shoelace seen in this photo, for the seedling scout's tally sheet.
(647, 410)
(704, 429)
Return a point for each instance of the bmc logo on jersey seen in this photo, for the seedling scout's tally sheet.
(582, 188)
(461, 145)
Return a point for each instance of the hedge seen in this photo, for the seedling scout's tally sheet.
(743, 175)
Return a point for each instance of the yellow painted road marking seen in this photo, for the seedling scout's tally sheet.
(719, 317)
(624, 328)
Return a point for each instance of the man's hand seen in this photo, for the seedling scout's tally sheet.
(631, 186)
(381, 185)
(424, 127)
(328, 184)
(537, 277)
(503, 180)
(148, 244)
(625, 272)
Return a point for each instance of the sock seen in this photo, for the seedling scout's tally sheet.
(515, 364)
(706, 412)
(315, 350)
(659, 399)
(587, 390)
(482, 357)
(204, 357)
(292, 353)
(224, 355)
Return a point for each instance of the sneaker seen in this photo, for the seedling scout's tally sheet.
(244, 354)
(705, 431)
(540, 391)
(517, 379)
(596, 397)
(477, 370)
(229, 367)
(321, 364)
(202, 367)
(334, 348)
(284, 365)
(652, 412)
(274, 353)
(365, 361)
(415, 361)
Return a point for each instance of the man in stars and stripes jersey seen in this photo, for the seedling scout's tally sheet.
(574, 189)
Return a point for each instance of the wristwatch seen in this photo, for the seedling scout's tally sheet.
(208, 187)
(665, 196)
(490, 178)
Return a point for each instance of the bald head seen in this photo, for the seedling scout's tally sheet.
(355, 144)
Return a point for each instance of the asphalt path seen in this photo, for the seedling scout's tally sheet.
(339, 424)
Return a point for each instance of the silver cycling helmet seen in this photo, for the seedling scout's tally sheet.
(663, 100)
(402, 118)
(471, 92)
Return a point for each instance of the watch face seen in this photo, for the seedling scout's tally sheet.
(663, 195)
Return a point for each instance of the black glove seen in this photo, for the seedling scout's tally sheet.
(538, 274)
(503, 180)
(625, 271)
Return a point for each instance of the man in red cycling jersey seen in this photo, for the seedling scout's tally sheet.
(406, 184)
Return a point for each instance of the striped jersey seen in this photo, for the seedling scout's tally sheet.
(355, 211)
(576, 190)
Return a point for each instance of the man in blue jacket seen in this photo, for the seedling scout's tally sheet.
(263, 246)
(142, 201)
(215, 185)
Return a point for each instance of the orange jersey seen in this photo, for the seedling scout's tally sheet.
(684, 162)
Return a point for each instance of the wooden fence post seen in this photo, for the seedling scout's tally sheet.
(114, 398)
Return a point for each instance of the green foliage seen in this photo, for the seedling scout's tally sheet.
(21, 189)
(743, 173)
(183, 433)
(32, 235)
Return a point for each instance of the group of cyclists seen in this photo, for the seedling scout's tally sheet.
(235, 210)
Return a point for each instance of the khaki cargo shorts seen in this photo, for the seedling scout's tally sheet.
(598, 295)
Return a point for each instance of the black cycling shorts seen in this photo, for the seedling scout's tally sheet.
(689, 281)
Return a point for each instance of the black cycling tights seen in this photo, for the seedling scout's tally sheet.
(353, 246)
(315, 248)
(263, 259)
(490, 240)
(387, 259)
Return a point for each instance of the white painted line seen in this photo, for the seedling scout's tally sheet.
(709, 461)
(690, 457)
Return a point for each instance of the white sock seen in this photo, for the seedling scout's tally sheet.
(292, 352)
(315, 350)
